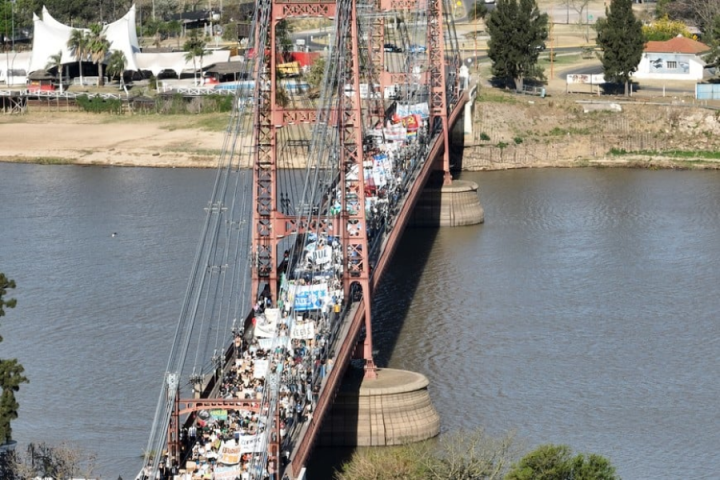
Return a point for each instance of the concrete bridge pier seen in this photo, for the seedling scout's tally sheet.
(392, 409)
(457, 204)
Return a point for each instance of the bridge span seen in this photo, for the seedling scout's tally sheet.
(279, 299)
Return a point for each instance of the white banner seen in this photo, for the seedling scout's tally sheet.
(586, 79)
(227, 473)
(305, 331)
(421, 109)
(251, 443)
(271, 343)
(230, 453)
(396, 133)
(310, 297)
(260, 368)
(266, 325)
(323, 255)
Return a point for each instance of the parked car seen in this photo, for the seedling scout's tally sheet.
(391, 47)
(414, 48)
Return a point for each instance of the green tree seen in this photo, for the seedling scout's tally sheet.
(477, 11)
(194, 48)
(665, 29)
(517, 35)
(55, 61)
(116, 66)
(713, 40)
(316, 73)
(621, 38)
(282, 34)
(458, 456)
(98, 47)
(11, 372)
(78, 45)
(556, 462)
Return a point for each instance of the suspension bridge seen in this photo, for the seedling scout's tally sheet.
(312, 193)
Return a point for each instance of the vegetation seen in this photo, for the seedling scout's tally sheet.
(463, 455)
(46, 461)
(621, 38)
(713, 41)
(555, 462)
(517, 36)
(78, 45)
(475, 456)
(116, 67)
(695, 12)
(97, 47)
(478, 10)
(314, 77)
(709, 155)
(194, 48)
(99, 105)
(55, 61)
(11, 372)
(665, 29)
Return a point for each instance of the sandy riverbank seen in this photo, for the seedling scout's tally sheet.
(86, 139)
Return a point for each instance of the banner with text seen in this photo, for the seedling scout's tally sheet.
(303, 331)
(310, 297)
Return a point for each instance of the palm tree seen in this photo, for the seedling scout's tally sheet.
(98, 47)
(55, 61)
(116, 67)
(78, 44)
(195, 47)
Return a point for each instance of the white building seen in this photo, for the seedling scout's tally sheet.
(679, 58)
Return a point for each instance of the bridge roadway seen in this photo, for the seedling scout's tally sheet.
(348, 333)
(289, 451)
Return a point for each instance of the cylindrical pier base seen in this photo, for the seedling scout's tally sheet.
(453, 205)
(393, 409)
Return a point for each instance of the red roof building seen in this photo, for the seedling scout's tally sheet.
(679, 58)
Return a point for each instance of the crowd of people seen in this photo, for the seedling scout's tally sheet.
(286, 350)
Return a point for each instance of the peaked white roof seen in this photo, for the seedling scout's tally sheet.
(51, 37)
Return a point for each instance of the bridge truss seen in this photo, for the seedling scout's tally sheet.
(288, 258)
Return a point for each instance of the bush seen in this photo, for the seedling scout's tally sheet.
(99, 105)
(518, 140)
(484, 137)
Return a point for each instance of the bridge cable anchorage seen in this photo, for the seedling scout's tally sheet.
(295, 282)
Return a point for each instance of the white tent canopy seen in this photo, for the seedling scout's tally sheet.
(51, 37)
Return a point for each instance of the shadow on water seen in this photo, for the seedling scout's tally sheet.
(391, 304)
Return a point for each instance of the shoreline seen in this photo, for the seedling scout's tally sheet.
(182, 142)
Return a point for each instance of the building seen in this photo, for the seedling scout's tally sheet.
(679, 58)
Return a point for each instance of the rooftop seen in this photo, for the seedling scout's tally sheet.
(676, 45)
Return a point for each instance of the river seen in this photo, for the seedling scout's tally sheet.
(583, 312)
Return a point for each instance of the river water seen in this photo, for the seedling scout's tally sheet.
(584, 311)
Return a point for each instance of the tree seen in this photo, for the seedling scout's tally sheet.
(282, 34)
(478, 11)
(195, 47)
(55, 61)
(11, 372)
(665, 29)
(315, 75)
(621, 39)
(458, 456)
(517, 35)
(46, 461)
(116, 67)
(713, 40)
(696, 12)
(98, 47)
(78, 45)
(556, 462)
